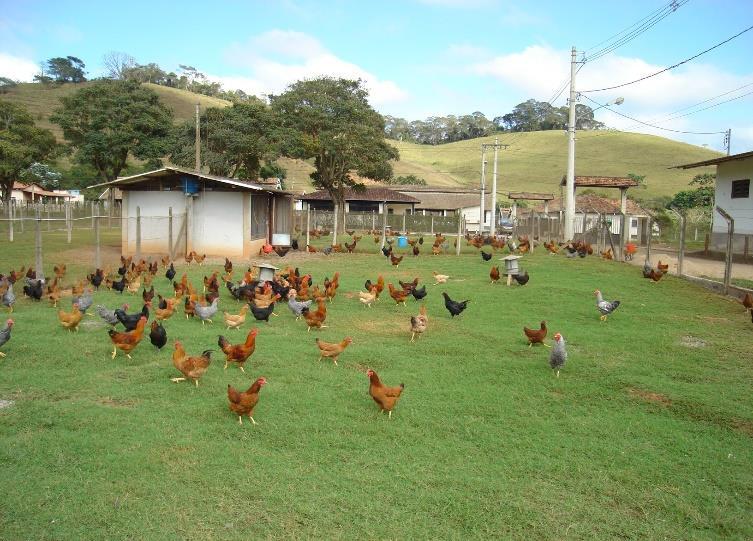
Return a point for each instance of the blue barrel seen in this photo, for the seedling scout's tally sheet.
(402, 242)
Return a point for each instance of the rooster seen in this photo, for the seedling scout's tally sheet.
(605, 307)
(558, 356)
(238, 353)
(494, 275)
(419, 323)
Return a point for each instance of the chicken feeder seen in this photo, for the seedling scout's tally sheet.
(511, 267)
(266, 272)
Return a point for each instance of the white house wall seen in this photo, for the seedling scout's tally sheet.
(218, 223)
(471, 215)
(740, 209)
(154, 219)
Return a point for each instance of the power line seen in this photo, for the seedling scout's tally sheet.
(670, 67)
(643, 25)
(654, 125)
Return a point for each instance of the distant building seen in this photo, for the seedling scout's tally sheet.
(32, 192)
(732, 194)
(372, 199)
(446, 201)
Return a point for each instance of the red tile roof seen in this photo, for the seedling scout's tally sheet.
(367, 194)
(601, 182)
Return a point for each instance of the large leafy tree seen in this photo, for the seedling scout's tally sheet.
(67, 69)
(21, 144)
(110, 121)
(235, 141)
(701, 196)
(330, 121)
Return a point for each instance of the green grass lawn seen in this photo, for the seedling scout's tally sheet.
(642, 436)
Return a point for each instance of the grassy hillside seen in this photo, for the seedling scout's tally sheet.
(535, 161)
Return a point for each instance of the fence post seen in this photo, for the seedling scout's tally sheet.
(384, 223)
(405, 232)
(97, 258)
(68, 219)
(334, 224)
(170, 232)
(432, 224)
(49, 219)
(10, 220)
(681, 255)
(460, 228)
(138, 233)
(373, 220)
(650, 229)
(745, 248)
(308, 225)
(38, 246)
(728, 257)
(22, 217)
(92, 207)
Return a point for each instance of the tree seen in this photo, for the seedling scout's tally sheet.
(42, 174)
(640, 179)
(331, 121)
(109, 121)
(7, 84)
(66, 70)
(21, 144)
(408, 180)
(234, 140)
(117, 64)
(702, 196)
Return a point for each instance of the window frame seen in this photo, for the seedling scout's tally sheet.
(747, 188)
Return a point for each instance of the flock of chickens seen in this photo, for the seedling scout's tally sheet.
(305, 300)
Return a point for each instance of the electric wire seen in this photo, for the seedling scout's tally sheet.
(670, 67)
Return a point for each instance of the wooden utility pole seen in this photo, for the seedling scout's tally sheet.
(460, 232)
(38, 246)
(170, 232)
(308, 225)
(97, 257)
(728, 255)
(197, 142)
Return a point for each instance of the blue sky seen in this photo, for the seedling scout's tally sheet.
(419, 57)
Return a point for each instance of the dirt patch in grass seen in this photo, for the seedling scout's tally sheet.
(109, 254)
(712, 319)
(5, 404)
(116, 402)
(650, 397)
(692, 342)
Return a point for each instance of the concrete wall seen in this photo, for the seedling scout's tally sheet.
(154, 221)
(218, 223)
(740, 209)
(471, 215)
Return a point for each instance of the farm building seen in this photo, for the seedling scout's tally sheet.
(441, 201)
(29, 193)
(588, 208)
(365, 200)
(215, 215)
(732, 194)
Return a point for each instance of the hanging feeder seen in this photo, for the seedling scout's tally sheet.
(511, 267)
(266, 272)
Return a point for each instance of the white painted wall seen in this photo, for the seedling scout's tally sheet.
(740, 209)
(154, 221)
(218, 223)
(471, 215)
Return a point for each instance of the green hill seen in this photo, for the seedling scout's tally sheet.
(534, 161)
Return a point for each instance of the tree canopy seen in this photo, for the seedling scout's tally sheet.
(109, 121)
(702, 196)
(67, 69)
(331, 121)
(235, 141)
(21, 144)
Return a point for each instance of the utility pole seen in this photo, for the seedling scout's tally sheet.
(493, 222)
(483, 190)
(570, 182)
(197, 143)
(728, 140)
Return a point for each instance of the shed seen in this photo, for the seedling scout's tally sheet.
(444, 201)
(732, 194)
(32, 192)
(363, 200)
(215, 215)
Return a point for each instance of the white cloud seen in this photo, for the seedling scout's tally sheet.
(18, 69)
(278, 58)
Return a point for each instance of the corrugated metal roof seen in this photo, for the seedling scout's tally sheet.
(367, 194)
(135, 179)
(716, 161)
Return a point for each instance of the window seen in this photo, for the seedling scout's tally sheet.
(363, 206)
(740, 189)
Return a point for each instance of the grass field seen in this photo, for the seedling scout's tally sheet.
(535, 161)
(646, 434)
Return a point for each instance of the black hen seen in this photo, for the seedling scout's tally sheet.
(522, 279)
(294, 244)
(122, 270)
(262, 314)
(455, 308)
(130, 321)
(387, 251)
(158, 335)
(419, 293)
(170, 274)
(33, 289)
(96, 278)
(120, 286)
(485, 256)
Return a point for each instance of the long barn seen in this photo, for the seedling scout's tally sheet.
(212, 215)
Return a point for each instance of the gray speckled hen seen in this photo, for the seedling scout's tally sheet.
(558, 356)
(206, 313)
(9, 298)
(5, 334)
(106, 314)
(296, 306)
